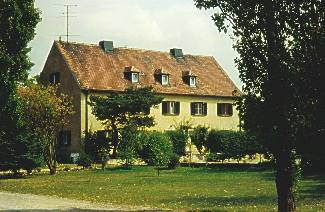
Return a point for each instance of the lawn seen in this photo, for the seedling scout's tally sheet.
(185, 188)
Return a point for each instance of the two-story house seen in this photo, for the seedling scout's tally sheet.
(194, 88)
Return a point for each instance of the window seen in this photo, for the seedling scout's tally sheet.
(170, 108)
(193, 81)
(224, 109)
(135, 77)
(199, 108)
(54, 78)
(65, 138)
(164, 79)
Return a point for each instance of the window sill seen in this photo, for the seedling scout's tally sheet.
(197, 115)
(167, 114)
(225, 115)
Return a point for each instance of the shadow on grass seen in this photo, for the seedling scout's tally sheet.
(72, 210)
(225, 201)
(312, 187)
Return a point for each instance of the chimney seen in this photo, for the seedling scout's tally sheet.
(177, 53)
(107, 46)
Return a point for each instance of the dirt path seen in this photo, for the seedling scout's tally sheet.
(30, 202)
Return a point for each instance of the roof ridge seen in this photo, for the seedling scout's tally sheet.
(130, 48)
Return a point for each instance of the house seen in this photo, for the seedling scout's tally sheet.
(194, 88)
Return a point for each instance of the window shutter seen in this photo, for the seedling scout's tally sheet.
(219, 109)
(60, 141)
(177, 107)
(192, 108)
(230, 112)
(205, 108)
(164, 107)
(68, 137)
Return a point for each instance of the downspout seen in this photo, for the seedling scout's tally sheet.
(86, 111)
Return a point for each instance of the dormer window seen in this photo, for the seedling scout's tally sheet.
(162, 76)
(133, 74)
(135, 77)
(192, 81)
(190, 78)
(164, 79)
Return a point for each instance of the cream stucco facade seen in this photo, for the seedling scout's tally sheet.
(167, 122)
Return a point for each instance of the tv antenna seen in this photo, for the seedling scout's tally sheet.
(68, 16)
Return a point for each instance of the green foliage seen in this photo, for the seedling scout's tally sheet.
(84, 160)
(199, 137)
(179, 140)
(119, 109)
(18, 20)
(281, 62)
(46, 112)
(97, 145)
(226, 144)
(127, 150)
(155, 148)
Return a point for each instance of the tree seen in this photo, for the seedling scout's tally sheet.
(279, 50)
(18, 20)
(118, 109)
(127, 150)
(46, 112)
(155, 149)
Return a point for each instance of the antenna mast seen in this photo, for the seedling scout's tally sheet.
(67, 18)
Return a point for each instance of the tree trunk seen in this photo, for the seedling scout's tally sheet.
(285, 179)
(115, 140)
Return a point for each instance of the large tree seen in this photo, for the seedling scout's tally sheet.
(46, 112)
(277, 42)
(117, 110)
(18, 20)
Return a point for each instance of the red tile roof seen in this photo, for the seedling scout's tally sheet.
(97, 70)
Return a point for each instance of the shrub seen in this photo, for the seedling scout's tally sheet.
(84, 161)
(127, 149)
(174, 162)
(179, 139)
(155, 149)
(199, 137)
(96, 144)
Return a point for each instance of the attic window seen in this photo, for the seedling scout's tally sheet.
(135, 77)
(164, 79)
(192, 81)
(190, 78)
(131, 73)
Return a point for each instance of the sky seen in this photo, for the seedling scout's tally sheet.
(145, 24)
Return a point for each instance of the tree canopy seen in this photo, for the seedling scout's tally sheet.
(280, 62)
(46, 112)
(118, 109)
(18, 20)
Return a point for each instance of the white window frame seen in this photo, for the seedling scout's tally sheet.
(135, 77)
(164, 79)
(192, 81)
(171, 108)
(198, 108)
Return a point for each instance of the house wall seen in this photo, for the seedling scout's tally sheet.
(68, 85)
(166, 122)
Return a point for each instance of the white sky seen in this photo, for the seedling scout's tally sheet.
(146, 24)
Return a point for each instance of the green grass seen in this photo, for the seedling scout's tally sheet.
(184, 188)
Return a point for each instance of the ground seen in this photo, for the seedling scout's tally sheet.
(29, 202)
(186, 188)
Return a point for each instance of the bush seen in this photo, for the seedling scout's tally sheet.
(179, 139)
(155, 149)
(199, 137)
(96, 144)
(127, 149)
(84, 161)
(232, 145)
(174, 162)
